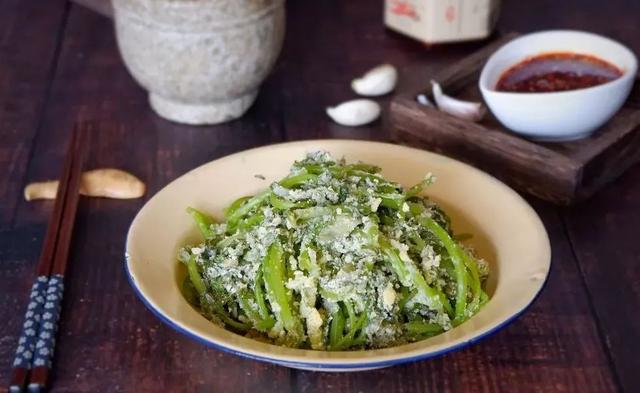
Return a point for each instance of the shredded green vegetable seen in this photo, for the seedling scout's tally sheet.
(334, 257)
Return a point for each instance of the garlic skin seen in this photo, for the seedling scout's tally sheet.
(106, 182)
(378, 81)
(472, 111)
(355, 112)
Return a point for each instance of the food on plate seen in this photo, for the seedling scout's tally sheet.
(557, 71)
(333, 257)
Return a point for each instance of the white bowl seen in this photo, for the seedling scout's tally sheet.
(507, 233)
(558, 116)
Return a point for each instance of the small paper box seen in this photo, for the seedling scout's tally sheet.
(438, 21)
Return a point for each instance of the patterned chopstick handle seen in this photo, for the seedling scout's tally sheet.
(27, 340)
(45, 345)
(49, 323)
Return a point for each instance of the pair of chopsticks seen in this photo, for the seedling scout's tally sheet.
(34, 354)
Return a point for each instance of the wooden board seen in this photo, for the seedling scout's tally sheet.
(559, 172)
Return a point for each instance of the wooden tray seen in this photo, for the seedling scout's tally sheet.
(562, 172)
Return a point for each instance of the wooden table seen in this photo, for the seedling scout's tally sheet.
(59, 63)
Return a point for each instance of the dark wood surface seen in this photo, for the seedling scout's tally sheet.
(561, 172)
(59, 64)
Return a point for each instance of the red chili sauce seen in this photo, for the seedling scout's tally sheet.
(557, 72)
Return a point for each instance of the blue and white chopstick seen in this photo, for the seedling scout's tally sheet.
(36, 344)
(28, 337)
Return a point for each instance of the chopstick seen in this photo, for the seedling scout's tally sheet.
(37, 340)
(28, 336)
(43, 357)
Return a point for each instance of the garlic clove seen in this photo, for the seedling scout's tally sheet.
(106, 182)
(111, 183)
(355, 112)
(472, 111)
(423, 100)
(41, 190)
(378, 81)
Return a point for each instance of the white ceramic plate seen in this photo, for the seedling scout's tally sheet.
(507, 232)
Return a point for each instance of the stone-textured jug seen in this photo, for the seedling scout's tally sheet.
(202, 61)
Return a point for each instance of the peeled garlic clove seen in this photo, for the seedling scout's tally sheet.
(111, 183)
(378, 81)
(41, 190)
(472, 111)
(106, 182)
(355, 112)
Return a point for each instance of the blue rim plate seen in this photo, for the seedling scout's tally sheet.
(507, 232)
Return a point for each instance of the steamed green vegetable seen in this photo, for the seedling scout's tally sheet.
(334, 257)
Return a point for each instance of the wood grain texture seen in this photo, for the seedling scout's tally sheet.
(27, 32)
(559, 172)
(581, 334)
(603, 231)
